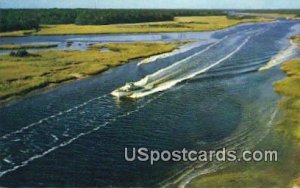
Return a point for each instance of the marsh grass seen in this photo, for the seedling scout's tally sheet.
(237, 180)
(290, 88)
(277, 15)
(285, 172)
(180, 24)
(26, 46)
(20, 75)
(17, 33)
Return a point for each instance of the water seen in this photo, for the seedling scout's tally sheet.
(82, 42)
(75, 135)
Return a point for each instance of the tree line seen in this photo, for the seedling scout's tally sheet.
(22, 19)
(19, 19)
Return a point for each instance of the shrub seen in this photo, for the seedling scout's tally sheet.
(19, 53)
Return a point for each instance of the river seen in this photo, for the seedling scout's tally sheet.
(208, 96)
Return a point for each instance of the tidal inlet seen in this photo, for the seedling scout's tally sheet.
(150, 93)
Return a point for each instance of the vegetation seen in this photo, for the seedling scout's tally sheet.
(26, 46)
(277, 15)
(24, 19)
(296, 182)
(290, 88)
(296, 39)
(238, 179)
(180, 24)
(19, 53)
(30, 20)
(20, 75)
(11, 20)
(295, 12)
(285, 172)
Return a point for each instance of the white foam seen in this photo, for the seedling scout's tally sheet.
(54, 137)
(166, 70)
(183, 49)
(281, 57)
(50, 117)
(168, 84)
(7, 161)
(63, 144)
(184, 181)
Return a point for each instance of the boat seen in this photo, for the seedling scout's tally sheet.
(127, 90)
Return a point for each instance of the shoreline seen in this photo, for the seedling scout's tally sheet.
(7, 100)
(26, 46)
(288, 127)
(189, 24)
(289, 89)
(135, 33)
(16, 96)
(49, 88)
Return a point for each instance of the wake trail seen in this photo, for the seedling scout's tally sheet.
(51, 117)
(75, 107)
(82, 134)
(194, 171)
(111, 120)
(282, 56)
(181, 50)
(183, 60)
(168, 84)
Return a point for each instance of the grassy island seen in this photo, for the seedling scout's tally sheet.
(26, 46)
(20, 75)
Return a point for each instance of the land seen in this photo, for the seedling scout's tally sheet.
(22, 75)
(25, 19)
(276, 15)
(237, 179)
(26, 46)
(284, 173)
(179, 24)
(290, 89)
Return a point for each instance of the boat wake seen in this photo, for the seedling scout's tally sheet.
(182, 49)
(184, 69)
(54, 137)
(281, 57)
(246, 138)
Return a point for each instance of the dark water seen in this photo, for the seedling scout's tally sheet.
(75, 135)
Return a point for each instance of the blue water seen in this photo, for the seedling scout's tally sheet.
(75, 134)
